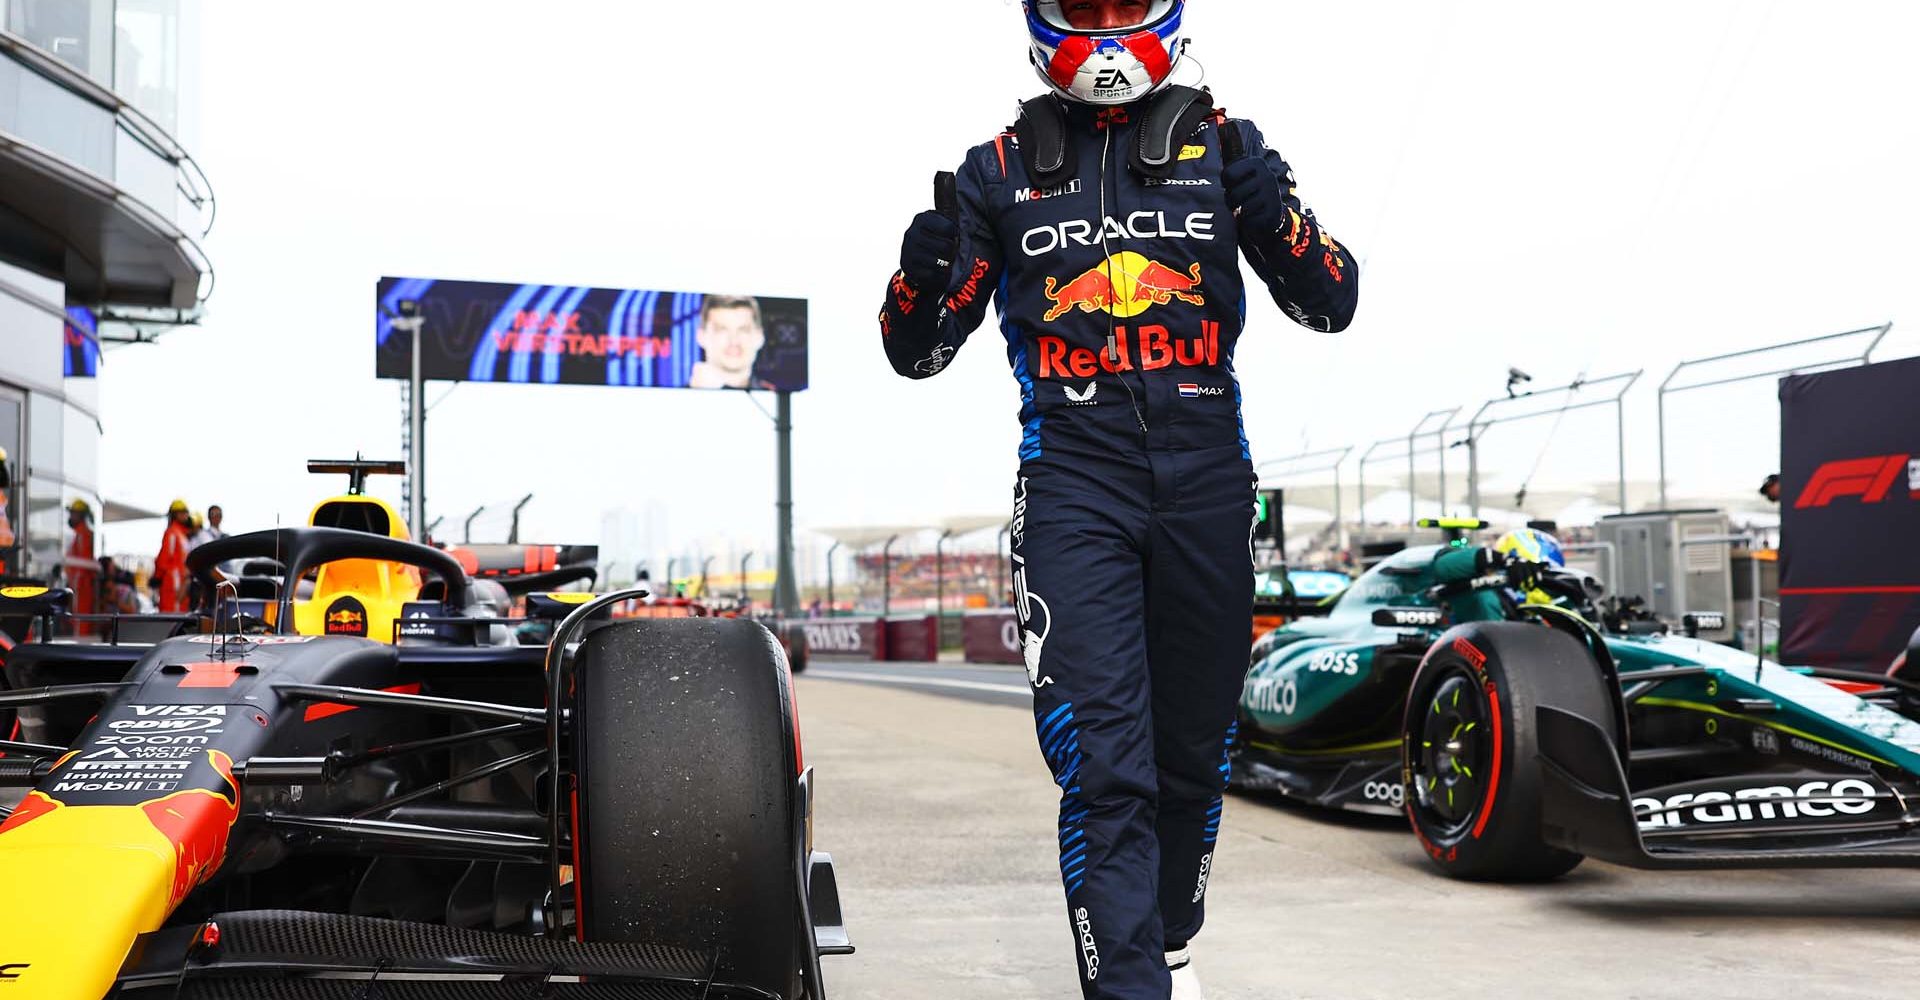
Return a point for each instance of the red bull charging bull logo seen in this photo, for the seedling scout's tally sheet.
(1123, 285)
(196, 822)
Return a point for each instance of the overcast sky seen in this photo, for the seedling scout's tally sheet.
(1572, 187)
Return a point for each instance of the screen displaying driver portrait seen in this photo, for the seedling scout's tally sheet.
(481, 331)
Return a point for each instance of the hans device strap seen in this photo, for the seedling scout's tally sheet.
(1169, 118)
(1172, 115)
(1042, 131)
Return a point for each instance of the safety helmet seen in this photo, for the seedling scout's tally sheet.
(177, 507)
(1532, 545)
(79, 506)
(1106, 66)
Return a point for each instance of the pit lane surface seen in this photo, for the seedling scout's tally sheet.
(939, 814)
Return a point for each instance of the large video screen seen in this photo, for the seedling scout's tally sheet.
(483, 331)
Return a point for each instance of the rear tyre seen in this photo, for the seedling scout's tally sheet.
(685, 748)
(1468, 750)
(796, 647)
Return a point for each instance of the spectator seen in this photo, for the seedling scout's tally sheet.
(170, 566)
(212, 532)
(1770, 488)
(117, 588)
(6, 524)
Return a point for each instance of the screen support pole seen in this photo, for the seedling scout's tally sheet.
(786, 596)
(417, 445)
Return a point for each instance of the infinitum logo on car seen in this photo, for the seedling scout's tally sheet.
(1088, 950)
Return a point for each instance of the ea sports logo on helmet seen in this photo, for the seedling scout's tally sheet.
(1115, 64)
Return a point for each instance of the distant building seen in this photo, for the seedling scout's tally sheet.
(101, 208)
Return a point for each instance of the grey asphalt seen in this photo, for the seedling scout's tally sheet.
(940, 815)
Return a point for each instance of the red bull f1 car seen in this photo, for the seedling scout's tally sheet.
(1521, 721)
(364, 785)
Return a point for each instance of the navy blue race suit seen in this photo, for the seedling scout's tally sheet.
(1120, 299)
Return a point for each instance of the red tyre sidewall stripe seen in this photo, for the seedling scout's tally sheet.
(1493, 782)
(793, 718)
(579, 896)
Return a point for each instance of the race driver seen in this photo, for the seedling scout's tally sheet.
(1107, 224)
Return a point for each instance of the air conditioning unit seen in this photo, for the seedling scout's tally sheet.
(1678, 560)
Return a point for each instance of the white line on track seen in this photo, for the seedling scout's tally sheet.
(945, 682)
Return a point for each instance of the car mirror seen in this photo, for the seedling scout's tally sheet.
(1696, 622)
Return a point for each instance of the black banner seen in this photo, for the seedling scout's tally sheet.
(482, 331)
(1850, 514)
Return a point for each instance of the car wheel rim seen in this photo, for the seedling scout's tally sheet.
(1452, 754)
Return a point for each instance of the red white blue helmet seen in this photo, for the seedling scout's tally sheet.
(1111, 66)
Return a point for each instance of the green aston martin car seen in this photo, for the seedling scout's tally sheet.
(1522, 719)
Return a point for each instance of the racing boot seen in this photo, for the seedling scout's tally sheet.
(1186, 984)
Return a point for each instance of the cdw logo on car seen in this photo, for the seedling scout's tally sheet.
(1870, 479)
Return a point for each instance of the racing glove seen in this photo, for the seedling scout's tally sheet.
(926, 255)
(1258, 195)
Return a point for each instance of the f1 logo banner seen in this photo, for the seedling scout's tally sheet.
(1850, 514)
(482, 331)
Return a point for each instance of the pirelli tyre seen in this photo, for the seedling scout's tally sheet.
(1468, 745)
(686, 757)
(796, 645)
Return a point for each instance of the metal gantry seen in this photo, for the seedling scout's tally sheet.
(1480, 423)
(1327, 460)
(1667, 387)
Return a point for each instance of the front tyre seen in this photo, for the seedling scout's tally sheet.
(686, 756)
(1468, 746)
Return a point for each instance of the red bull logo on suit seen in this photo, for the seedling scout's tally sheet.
(1125, 284)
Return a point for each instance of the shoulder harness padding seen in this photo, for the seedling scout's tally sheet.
(1172, 115)
(1170, 118)
(1042, 131)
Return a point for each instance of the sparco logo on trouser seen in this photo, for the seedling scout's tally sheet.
(1206, 863)
(1035, 618)
(1088, 951)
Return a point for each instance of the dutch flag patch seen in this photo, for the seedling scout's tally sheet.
(1189, 390)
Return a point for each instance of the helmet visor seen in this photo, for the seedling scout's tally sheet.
(1090, 17)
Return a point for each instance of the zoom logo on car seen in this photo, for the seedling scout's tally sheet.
(1790, 798)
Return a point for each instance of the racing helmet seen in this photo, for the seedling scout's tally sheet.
(1531, 545)
(1107, 65)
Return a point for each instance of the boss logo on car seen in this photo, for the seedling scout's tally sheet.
(1331, 661)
